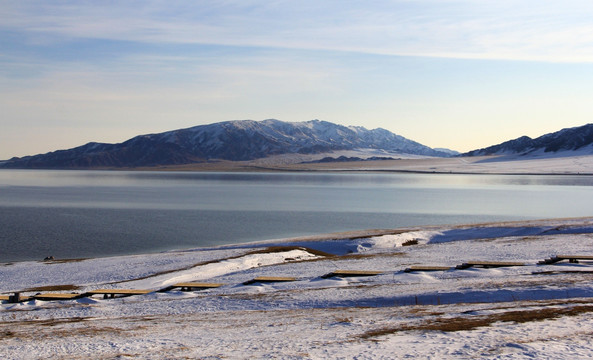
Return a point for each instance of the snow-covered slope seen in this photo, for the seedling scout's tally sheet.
(231, 140)
(577, 140)
(510, 312)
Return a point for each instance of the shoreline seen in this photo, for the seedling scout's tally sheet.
(320, 238)
(329, 171)
(578, 165)
(170, 232)
(443, 292)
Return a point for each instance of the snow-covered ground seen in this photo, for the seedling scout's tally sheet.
(568, 162)
(530, 311)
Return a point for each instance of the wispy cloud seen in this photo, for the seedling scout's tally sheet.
(111, 69)
(505, 29)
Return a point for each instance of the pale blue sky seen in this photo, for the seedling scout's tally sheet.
(457, 74)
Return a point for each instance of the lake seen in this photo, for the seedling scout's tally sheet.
(74, 214)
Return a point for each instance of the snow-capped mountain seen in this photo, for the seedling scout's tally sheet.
(231, 140)
(566, 140)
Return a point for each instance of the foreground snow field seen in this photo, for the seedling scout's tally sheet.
(530, 311)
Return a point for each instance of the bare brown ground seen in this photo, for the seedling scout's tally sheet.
(464, 323)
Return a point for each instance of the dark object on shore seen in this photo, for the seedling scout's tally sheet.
(16, 298)
(410, 242)
(269, 279)
(351, 273)
(415, 268)
(573, 259)
(488, 264)
(49, 258)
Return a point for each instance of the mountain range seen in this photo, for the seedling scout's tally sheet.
(238, 140)
(570, 140)
(242, 140)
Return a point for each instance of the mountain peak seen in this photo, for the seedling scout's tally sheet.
(566, 140)
(235, 140)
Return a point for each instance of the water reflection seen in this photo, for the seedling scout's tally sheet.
(149, 211)
(143, 178)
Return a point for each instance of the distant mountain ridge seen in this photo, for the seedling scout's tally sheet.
(566, 140)
(230, 140)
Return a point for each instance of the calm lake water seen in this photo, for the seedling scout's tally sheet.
(72, 214)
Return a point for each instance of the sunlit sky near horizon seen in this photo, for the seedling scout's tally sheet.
(458, 74)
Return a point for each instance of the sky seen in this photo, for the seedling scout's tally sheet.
(461, 74)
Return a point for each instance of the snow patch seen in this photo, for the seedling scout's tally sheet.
(392, 315)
